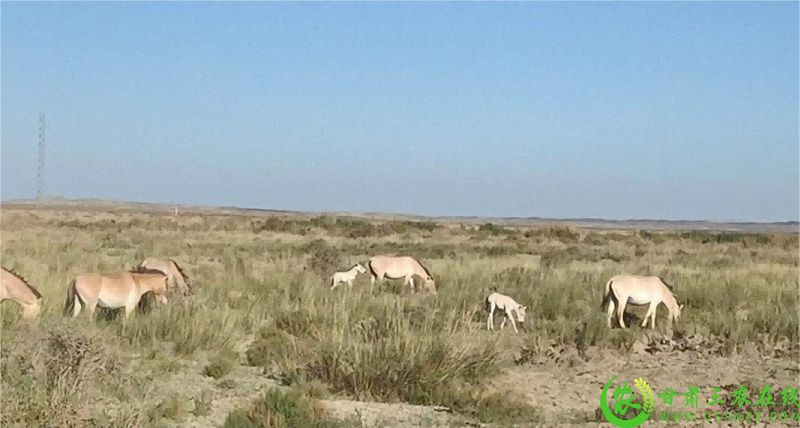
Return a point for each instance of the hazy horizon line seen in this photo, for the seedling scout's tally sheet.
(52, 198)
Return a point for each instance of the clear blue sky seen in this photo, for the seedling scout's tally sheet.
(614, 110)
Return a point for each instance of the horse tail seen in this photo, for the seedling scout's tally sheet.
(489, 291)
(607, 293)
(372, 270)
(69, 305)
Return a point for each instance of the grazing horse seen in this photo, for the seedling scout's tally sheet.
(14, 287)
(639, 290)
(400, 267)
(114, 290)
(175, 275)
(497, 301)
(347, 276)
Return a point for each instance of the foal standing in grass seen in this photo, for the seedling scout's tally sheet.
(347, 276)
(639, 290)
(497, 301)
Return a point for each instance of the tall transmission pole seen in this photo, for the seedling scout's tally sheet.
(40, 171)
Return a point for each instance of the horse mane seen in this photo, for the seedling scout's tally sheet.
(424, 268)
(180, 269)
(24, 281)
(665, 283)
(671, 290)
(351, 267)
(139, 269)
(369, 266)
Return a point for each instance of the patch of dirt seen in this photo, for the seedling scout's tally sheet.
(205, 401)
(565, 384)
(372, 414)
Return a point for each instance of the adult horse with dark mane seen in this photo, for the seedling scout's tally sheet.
(114, 290)
(175, 274)
(401, 267)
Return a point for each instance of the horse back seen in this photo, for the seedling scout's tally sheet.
(397, 266)
(639, 289)
(91, 285)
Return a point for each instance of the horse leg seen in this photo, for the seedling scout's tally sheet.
(610, 312)
(373, 278)
(76, 307)
(90, 307)
(653, 317)
(490, 319)
(410, 282)
(622, 300)
(647, 315)
(505, 318)
(129, 310)
(510, 316)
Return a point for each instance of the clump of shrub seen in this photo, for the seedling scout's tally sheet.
(555, 257)
(492, 229)
(188, 324)
(170, 408)
(499, 409)
(324, 259)
(560, 233)
(400, 367)
(274, 347)
(278, 224)
(220, 365)
(47, 372)
(279, 409)
(746, 239)
(656, 238)
(340, 226)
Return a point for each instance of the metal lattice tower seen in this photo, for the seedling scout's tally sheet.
(40, 171)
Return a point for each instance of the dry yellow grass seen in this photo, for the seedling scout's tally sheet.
(260, 294)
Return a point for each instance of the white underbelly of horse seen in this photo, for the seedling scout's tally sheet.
(397, 273)
(641, 298)
(112, 301)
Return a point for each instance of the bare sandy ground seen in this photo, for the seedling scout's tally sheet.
(566, 387)
(563, 383)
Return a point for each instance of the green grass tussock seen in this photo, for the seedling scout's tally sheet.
(282, 409)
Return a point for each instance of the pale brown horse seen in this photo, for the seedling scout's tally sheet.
(114, 290)
(639, 290)
(400, 267)
(14, 287)
(175, 275)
